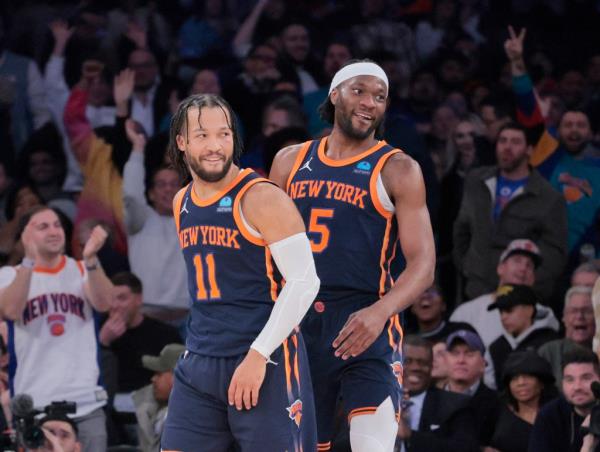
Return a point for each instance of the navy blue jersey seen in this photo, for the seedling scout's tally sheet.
(353, 237)
(231, 276)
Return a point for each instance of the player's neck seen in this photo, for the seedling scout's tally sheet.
(341, 146)
(204, 189)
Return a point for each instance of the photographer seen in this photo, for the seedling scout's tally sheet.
(61, 434)
(558, 424)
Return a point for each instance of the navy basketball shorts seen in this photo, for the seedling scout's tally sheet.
(201, 419)
(361, 383)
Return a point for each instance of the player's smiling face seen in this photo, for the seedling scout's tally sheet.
(360, 105)
(207, 141)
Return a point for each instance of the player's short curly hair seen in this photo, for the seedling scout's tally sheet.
(179, 126)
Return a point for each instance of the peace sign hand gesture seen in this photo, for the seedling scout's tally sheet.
(513, 46)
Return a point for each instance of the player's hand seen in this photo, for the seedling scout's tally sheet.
(94, 243)
(112, 330)
(513, 46)
(360, 331)
(247, 380)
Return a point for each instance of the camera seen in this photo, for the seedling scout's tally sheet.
(27, 429)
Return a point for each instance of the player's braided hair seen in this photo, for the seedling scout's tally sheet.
(179, 126)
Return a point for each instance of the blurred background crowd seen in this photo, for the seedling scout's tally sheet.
(498, 101)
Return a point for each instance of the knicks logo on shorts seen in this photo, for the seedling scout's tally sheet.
(295, 411)
(398, 370)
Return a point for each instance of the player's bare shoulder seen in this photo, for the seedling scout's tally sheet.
(283, 164)
(401, 172)
(270, 210)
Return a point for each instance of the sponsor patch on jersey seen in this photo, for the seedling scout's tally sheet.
(363, 167)
(295, 412)
(225, 204)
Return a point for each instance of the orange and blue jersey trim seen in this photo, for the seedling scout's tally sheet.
(299, 159)
(324, 446)
(237, 209)
(347, 161)
(373, 183)
(252, 238)
(215, 197)
(361, 411)
(177, 206)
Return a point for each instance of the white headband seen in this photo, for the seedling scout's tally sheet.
(356, 69)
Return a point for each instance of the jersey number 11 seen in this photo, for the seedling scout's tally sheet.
(213, 291)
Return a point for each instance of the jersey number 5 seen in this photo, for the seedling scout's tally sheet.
(319, 228)
(213, 292)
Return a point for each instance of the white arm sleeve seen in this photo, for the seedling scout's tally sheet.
(294, 260)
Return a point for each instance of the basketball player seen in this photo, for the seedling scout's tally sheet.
(48, 302)
(358, 197)
(243, 381)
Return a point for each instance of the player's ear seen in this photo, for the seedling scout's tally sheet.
(334, 95)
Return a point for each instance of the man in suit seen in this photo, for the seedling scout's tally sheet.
(432, 419)
(466, 366)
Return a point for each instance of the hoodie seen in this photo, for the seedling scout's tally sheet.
(532, 338)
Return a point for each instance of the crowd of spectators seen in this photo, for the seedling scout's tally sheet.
(498, 101)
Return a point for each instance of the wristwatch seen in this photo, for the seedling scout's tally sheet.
(91, 267)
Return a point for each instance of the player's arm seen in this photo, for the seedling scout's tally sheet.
(282, 165)
(405, 182)
(403, 179)
(273, 214)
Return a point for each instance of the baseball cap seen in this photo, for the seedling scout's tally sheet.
(509, 295)
(166, 360)
(470, 338)
(522, 246)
